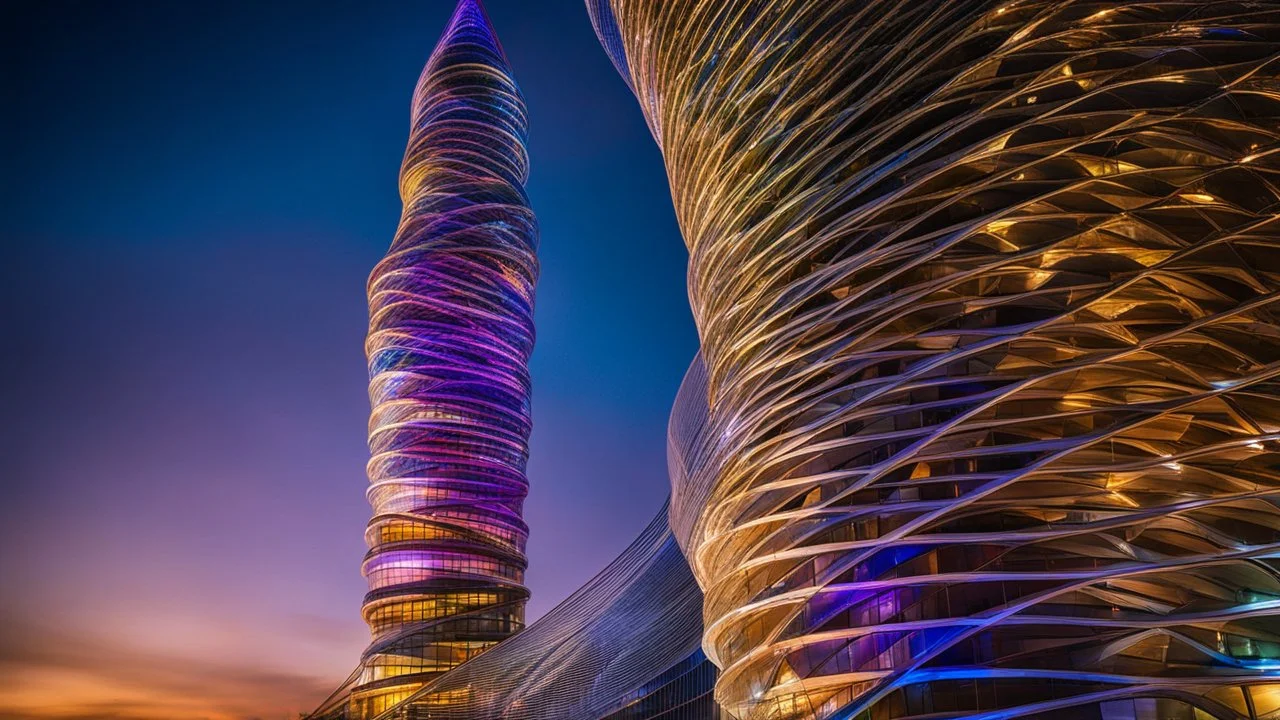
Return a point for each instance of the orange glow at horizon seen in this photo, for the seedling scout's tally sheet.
(190, 667)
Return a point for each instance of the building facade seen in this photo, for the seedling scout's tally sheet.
(450, 333)
(625, 646)
(986, 420)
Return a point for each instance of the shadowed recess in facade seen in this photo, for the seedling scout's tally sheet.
(986, 421)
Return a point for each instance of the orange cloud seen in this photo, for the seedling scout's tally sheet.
(57, 675)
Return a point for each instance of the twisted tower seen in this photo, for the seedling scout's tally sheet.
(450, 333)
(987, 416)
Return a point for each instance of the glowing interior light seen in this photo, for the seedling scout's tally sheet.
(1200, 198)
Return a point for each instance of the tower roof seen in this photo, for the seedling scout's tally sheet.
(469, 31)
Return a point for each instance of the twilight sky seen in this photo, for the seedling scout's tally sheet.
(196, 193)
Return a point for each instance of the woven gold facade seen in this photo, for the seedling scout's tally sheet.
(988, 424)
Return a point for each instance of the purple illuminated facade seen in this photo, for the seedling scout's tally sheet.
(450, 333)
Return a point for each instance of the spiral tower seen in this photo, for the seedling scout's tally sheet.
(986, 422)
(450, 333)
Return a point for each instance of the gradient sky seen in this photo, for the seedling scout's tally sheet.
(196, 193)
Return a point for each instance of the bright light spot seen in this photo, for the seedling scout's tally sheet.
(1200, 198)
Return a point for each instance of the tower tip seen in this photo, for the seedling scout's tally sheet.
(470, 24)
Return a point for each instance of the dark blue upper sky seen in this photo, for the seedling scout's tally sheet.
(196, 193)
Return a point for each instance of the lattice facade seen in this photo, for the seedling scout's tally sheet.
(986, 421)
